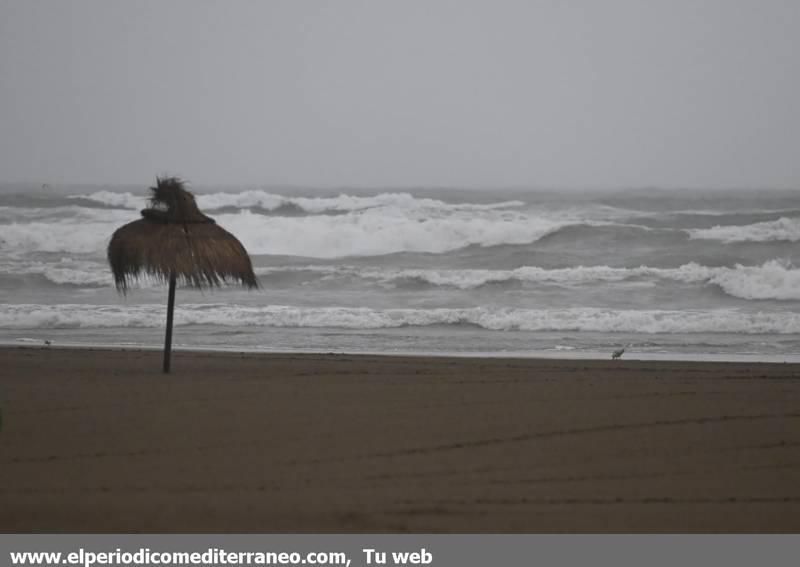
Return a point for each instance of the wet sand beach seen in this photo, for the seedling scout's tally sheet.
(101, 441)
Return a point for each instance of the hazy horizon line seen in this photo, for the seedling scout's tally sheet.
(403, 187)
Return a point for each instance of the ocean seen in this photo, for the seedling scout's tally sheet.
(668, 274)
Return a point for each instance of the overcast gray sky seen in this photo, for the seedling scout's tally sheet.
(576, 93)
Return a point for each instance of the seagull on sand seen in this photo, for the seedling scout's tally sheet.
(618, 353)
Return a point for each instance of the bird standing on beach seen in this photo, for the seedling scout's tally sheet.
(618, 353)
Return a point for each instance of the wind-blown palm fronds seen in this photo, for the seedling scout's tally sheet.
(175, 239)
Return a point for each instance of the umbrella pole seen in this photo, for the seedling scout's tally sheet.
(170, 309)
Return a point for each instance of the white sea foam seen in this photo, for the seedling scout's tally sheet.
(773, 280)
(28, 316)
(368, 232)
(372, 233)
(783, 229)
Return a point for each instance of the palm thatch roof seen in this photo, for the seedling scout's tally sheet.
(174, 238)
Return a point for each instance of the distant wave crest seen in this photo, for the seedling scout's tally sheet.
(311, 205)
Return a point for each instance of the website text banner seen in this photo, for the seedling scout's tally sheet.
(398, 550)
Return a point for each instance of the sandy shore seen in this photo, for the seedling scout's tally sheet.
(100, 441)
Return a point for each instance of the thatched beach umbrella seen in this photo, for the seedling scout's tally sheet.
(173, 242)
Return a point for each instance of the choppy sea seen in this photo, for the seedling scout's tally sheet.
(670, 274)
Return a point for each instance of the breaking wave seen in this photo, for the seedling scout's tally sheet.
(88, 233)
(783, 229)
(375, 234)
(28, 316)
(363, 233)
(772, 280)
